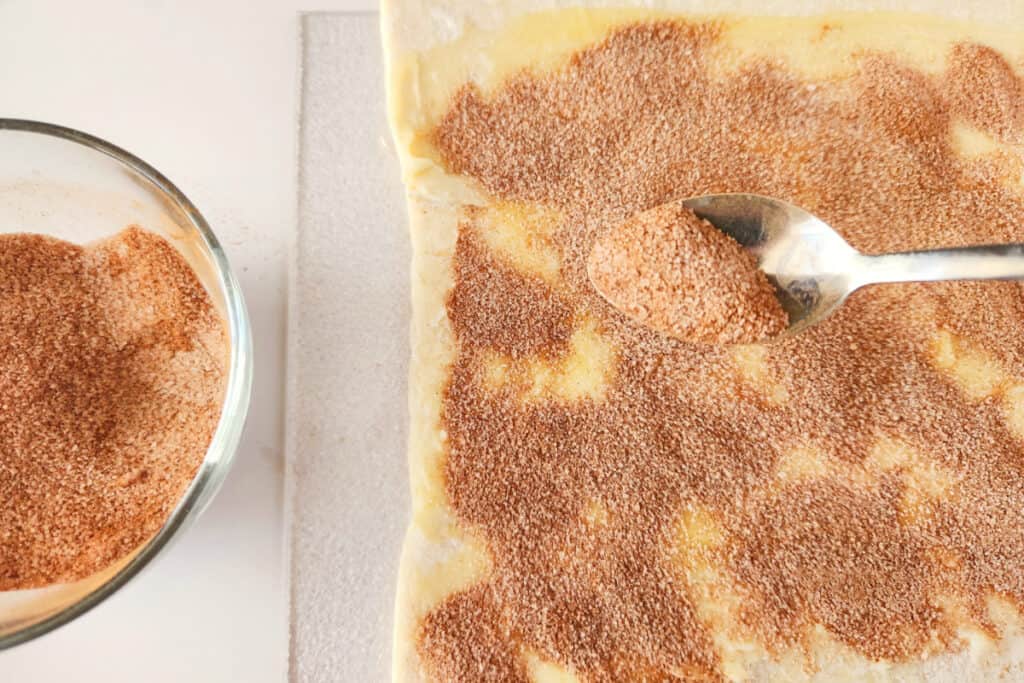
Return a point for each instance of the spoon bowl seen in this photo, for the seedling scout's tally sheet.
(814, 270)
(811, 267)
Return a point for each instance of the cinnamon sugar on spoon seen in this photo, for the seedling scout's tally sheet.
(676, 273)
(113, 363)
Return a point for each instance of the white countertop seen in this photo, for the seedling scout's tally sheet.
(206, 91)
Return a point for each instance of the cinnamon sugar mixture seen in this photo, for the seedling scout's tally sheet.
(582, 502)
(112, 371)
(678, 274)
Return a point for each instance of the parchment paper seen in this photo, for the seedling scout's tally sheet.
(348, 353)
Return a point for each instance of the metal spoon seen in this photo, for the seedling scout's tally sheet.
(814, 270)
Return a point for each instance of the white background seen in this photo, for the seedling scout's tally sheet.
(206, 91)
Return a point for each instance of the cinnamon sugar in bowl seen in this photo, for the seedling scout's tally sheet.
(127, 376)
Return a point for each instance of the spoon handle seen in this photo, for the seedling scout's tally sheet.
(983, 262)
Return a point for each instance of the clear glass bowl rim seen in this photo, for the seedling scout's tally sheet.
(221, 452)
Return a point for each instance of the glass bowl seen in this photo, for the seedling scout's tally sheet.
(76, 187)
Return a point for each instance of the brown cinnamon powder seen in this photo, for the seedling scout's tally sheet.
(678, 274)
(630, 124)
(112, 373)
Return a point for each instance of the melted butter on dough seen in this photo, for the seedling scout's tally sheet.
(970, 141)
(461, 562)
(582, 373)
(521, 234)
(698, 537)
(1013, 403)
(978, 373)
(750, 362)
(806, 463)
(819, 47)
(596, 515)
(544, 671)
(925, 480)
